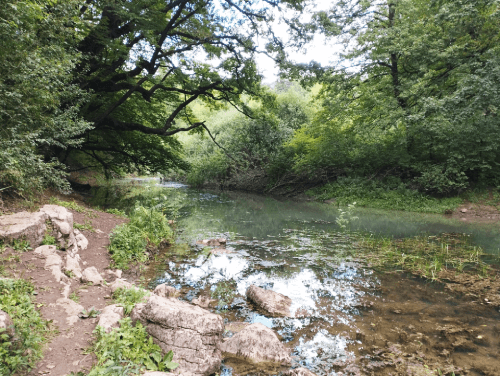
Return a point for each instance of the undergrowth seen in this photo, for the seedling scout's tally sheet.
(127, 350)
(22, 351)
(426, 256)
(129, 297)
(129, 242)
(391, 194)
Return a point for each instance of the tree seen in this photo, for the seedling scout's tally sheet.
(39, 106)
(420, 93)
(146, 61)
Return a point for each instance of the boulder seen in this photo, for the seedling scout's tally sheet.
(165, 291)
(110, 316)
(62, 219)
(81, 240)
(136, 314)
(275, 304)
(6, 325)
(54, 264)
(46, 250)
(91, 275)
(73, 265)
(203, 301)
(192, 333)
(120, 283)
(299, 372)
(257, 343)
(24, 225)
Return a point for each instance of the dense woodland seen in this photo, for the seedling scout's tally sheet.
(172, 86)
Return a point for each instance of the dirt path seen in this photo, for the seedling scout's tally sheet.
(65, 351)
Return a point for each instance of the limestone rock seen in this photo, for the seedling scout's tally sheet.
(62, 219)
(236, 327)
(276, 304)
(6, 325)
(212, 242)
(81, 240)
(91, 275)
(194, 334)
(136, 314)
(166, 291)
(24, 225)
(54, 264)
(72, 309)
(203, 301)
(257, 343)
(73, 265)
(117, 273)
(46, 250)
(110, 316)
(299, 372)
(120, 283)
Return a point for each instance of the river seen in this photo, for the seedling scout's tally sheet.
(348, 319)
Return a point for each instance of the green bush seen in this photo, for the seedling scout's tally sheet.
(129, 242)
(31, 330)
(128, 350)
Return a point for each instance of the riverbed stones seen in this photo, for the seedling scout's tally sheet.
(91, 275)
(6, 325)
(203, 301)
(299, 372)
(110, 317)
(256, 343)
(30, 226)
(192, 333)
(274, 303)
(166, 291)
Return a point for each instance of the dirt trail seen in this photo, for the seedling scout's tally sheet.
(65, 351)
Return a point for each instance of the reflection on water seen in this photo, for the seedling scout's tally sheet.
(294, 248)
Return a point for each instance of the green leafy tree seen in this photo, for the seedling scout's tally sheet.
(39, 105)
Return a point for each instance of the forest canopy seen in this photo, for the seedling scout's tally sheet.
(155, 85)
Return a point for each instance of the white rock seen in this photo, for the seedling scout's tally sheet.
(54, 263)
(91, 275)
(120, 283)
(82, 242)
(72, 309)
(73, 265)
(24, 224)
(46, 250)
(110, 316)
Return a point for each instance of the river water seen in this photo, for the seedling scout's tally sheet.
(344, 312)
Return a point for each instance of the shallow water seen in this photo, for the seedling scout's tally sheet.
(341, 309)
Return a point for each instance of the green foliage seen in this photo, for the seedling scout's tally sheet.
(49, 240)
(391, 194)
(128, 349)
(25, 349)
(223, 293)
(129, 297)
(117, 212)
(67, 204)
(86, 226)
(129, 241)
(346, 216)
(38, 99)
(20, 245)
(89, 313)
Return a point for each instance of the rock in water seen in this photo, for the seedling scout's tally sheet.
(257, 343)
(192, 333)
(276, 304)
(166, 291)
(299, 372)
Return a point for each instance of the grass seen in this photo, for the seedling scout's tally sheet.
(73, 205)
(21, 353)
(389, 195)
(74, 297)
(127, 350)
(129, 242)
(426, 256)
(86, 226)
